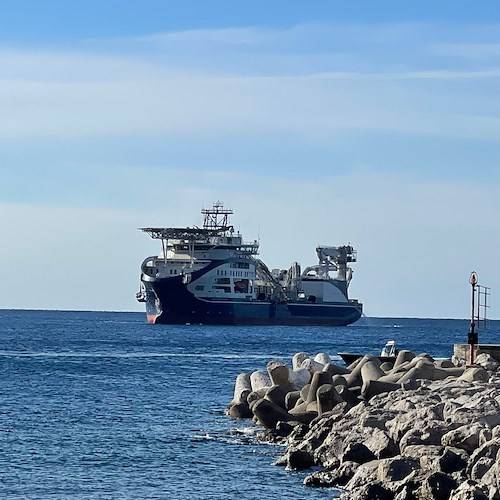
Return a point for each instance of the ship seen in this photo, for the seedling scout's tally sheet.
(210, 275)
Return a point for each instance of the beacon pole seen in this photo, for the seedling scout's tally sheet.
(472, 335)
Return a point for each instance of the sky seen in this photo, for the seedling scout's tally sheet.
(325, 122)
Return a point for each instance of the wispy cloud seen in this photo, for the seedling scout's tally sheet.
(469, 50)
(230, 114)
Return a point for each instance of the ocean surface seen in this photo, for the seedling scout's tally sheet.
(102, 405)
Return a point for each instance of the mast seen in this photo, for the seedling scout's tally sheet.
(217, 217)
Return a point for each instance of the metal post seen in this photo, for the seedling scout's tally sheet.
(472, 337)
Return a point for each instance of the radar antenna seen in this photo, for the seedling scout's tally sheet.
(217, 217)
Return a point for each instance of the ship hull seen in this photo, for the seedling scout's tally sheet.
(175, 304)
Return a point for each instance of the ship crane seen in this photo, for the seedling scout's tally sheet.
(334, 259)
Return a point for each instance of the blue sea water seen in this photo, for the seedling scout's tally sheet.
(102, 405)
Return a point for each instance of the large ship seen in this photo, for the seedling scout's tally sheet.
(209, 275)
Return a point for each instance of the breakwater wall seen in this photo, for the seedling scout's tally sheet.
(417, 428)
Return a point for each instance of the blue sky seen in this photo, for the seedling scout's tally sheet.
(375, 123)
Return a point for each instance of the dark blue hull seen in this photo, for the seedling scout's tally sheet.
(180, 306)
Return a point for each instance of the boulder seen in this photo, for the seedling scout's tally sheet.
(312, 366)
(371, 491)
(449, 461)
(489, 450)
(334, 369)
(330, 478)
(436, 486)
(291, 399)
(466, 437)
(492, 480)
(371, 371)
(403, 356)
(487, 361)
(239, 410)
(479, 468)
(322, 358)
(279, 374)
(373, 387)
(298, 378)
(474, 374)
(366, 473)
(318, 379)
(470, 490)
(276, 394)
(269, 413)
(297, 359)
(260, 379)
(327, 398)
(242, 388)
(299, 459)
(396, 469)
(357, 452)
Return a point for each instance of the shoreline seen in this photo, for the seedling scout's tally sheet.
(415, 428)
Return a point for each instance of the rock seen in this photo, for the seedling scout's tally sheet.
(473, 374)
(298, 460)
(299, 378)
(470, 490)
(396, 469)
(291, 399)
(419, 451)
(357, 452)
(327, 398)
(448, 461)
(269, 413)
(334, 369)
(312, 366)
(381, 445)
(322, 358)
(297, 359)
(403, 357)
(371, 371)
(373, 387)
(487, 362)
(488, 450)
(242, 388)
(330, 478)
(365, 474)
(492, 480)
(259, 379)
(279, 375)
(436, 486)
(372, 491)
(426, 434)
(276, 394)
(239, 410)
(318, 379)
(480, 467)
(466, 436)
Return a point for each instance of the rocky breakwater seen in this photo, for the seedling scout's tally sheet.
(417, 428)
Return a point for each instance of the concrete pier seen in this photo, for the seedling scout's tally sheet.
(461, 352)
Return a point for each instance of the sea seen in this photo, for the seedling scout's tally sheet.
(102, 405)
